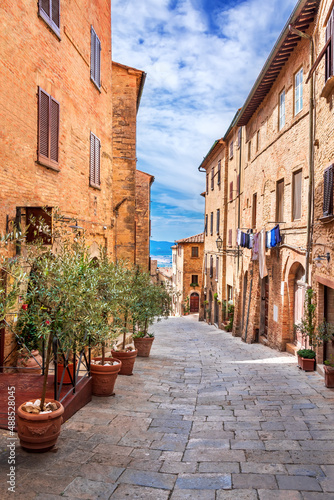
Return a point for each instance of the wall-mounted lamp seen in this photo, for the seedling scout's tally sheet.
(219, 243)
(319, 258)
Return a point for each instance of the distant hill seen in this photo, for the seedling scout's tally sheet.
(161, 247)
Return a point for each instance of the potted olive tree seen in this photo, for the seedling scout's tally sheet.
(314, 335)
(153, 303)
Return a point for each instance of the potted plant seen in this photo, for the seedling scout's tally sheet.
(230, 315)
(186, 306)
(153, 302)
(306, 359)
(329, 372)
(313, 335)
(62, 306)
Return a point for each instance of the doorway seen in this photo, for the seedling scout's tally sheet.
(298, 304)
(194, 303)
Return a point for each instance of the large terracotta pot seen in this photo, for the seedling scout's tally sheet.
(306, 364)
(39, 433)
(143, 346)
(30, 364)
(104, 377)
(128, 360)
(67, 378)
(329, 376)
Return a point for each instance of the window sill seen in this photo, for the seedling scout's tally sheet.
(328, 88)
(45, 163)
(326, 218)
(95, 186)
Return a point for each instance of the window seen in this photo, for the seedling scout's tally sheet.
(179, 250)
(212, 179)
(238, 184)
(194, 279)
(297, 195)
(249, 150)
(330, 48)
(231, 191)
(217, 268)
(281, 119)
(257, 140)
(299, 91)
(239, 138)
(218, 172)
(254, 208)
(207, 183)
(94, 163)
(95, 58)
(206, 264)
(194, 251)
(218, 220)
(49, 10)
(231, 150)
(279, 200)
(39, 224)
(328, 191)
(211, 266)
(206, 225)
(211, 223)
(48, 129)
(230, 237)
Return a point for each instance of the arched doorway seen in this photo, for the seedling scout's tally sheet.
(194, 302)
(298, 301)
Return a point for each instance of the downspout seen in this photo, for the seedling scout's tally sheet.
(311, 173)
(239, 197)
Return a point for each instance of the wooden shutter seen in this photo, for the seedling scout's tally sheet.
(95, 58)
(211, 266)
(206, 225)
(212, 178)
(218, 173)
(238, 184)
(254, 206)
(218, 220)
(205, 264)
(279, 200)
(43, 115)
(297, 195)
(217, 268)
(230, 237)
(328, 192)
(55, 12)
(231, 191)
(94, 162)
(207, 183)
(54, 130)
(211, 224)
(330, 48)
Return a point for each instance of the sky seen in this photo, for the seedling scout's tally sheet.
(202, 58)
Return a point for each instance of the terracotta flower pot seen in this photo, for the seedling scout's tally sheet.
(329, 376)
(143, 346)
(31, 364)
(128, 360)
(67, 378)
(104, 377)
(39, 433)
(306, 364)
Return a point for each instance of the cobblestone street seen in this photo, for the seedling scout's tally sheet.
(205, 417)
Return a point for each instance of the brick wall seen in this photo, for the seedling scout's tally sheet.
(143, 221)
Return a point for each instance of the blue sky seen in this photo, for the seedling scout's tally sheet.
(201, 58)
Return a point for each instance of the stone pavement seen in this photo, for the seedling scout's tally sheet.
(205, 417)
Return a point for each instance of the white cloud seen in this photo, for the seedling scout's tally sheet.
(197, 78)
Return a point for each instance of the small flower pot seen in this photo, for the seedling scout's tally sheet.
(329, 376)
(39, 433)
(30, 364)
(128, 359)
(67, 378)
(143, 346)
(306, 364)
(104, 377)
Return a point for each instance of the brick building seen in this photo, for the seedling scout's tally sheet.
(187, 255)
(143, 221)
(272, 170)
(68, 123)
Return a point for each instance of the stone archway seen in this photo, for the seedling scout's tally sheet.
(296, 292)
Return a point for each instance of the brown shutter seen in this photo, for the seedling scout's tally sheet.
(211, 266)
(211, 224)
(238, 184)
(328, 191)
(54, 130)
(218, 220)
(43, 115)
(45, 5)
(231, 191)
(297, 195)
(230, 237)
(97, 61)
(207, 183)
(55, 12)
(218, 174)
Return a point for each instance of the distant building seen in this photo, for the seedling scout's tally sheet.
(144, 182)
(187, 274)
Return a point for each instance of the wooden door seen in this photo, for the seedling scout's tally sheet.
(194, 303)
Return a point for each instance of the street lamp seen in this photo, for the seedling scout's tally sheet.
(219, 243)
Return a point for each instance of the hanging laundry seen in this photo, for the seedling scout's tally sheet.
(268, 239)
(277, 234)
(255, 255)
(238, 237)
(251, 240)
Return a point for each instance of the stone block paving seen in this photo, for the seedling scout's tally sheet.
(205, 417)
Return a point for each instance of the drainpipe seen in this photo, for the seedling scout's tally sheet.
(239, 197)
(310, 159)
